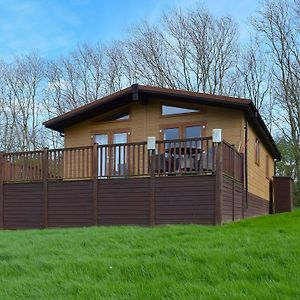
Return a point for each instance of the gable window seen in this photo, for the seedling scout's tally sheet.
(257, 151)
(125, 117)
(119, 116)
(167, 110)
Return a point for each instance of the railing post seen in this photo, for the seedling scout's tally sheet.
(1, 191)
(152, 187)
(95, 182)
(45, 187)
(219, 183)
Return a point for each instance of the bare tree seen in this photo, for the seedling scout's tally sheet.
(86, 75)
(21, 105)
(147, 57)
(278, 24)
(253, 79)
(7, 120)
(193, 50)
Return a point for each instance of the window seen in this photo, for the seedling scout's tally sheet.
(191, 149)
(194, 132)
(120, 116)
(183, 131)
(257, 151)
(126, 117)
(267, 167)
(175, 110)
(171, 133)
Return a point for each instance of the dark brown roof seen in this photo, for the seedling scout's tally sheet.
(140, 92)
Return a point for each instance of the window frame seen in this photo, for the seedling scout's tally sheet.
(267, 166)
(182, 126)
(257, 151)
(110, 133)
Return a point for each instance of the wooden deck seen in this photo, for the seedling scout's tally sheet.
(183, 181)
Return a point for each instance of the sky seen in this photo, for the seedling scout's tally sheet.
(53, 28)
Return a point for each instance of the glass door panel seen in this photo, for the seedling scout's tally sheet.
(171, 133)
(193, 132)
(194, 147)
(103, 155)
(171, 148)
(120, 164)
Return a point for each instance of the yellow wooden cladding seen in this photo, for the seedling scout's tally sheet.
(146, 120)
(258, 183)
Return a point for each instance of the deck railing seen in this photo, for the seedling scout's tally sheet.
(22, 166)
(67, 163)
(185, 156)
(233, 162)
(123, 159)
(171, 158)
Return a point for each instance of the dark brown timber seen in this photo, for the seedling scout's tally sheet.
(179, 183)
(283, 194)
(95, 182)
(219, 183)
(1, 192)
(152, 187)
(45, 187)
(233, 187)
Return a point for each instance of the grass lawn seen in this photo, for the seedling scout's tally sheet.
(254, 259)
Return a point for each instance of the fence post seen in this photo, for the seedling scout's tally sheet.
(45, 168)
(243, 184)
(233, 186)
(152, 187)
(219, 183)
(95, 182)
(1, 191)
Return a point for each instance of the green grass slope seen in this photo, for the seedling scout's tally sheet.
(257, 258)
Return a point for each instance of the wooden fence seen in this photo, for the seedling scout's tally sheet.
(124, 184)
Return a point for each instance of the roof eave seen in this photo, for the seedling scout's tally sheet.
(255, 117)
(54, 123)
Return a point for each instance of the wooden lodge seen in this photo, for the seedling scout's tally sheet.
(146, 156)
